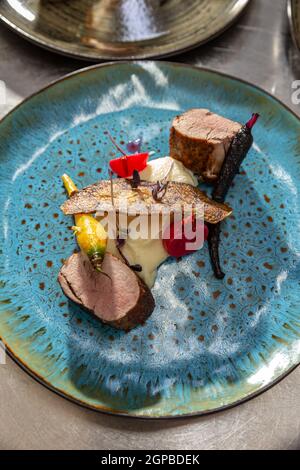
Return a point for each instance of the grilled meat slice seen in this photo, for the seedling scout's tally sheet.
(120, 299)
(200, 139)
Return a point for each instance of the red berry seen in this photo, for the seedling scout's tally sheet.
(177, 238)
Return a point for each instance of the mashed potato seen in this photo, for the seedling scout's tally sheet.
(151, 253)
(157, 169)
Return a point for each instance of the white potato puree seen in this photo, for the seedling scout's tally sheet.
(151, 253)
(157, 169)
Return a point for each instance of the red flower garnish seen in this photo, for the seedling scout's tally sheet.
(125, 166)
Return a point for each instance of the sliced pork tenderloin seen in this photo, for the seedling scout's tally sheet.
(119, 298)
(200, 139)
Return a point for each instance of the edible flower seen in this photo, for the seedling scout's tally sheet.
(125, 165)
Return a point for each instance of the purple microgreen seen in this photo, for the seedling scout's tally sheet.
(159, 190)
(134, 146)
(155, 190)
(115, 143)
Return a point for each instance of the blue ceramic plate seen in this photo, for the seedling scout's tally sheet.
(209, 344)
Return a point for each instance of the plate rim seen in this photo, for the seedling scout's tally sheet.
(103, 409)
(50, 46)
(124, 414)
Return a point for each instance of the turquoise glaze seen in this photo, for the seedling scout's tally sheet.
(209, 343)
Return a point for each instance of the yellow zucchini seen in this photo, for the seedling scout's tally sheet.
(91, 235)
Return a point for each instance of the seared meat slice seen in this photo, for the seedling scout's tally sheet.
(123, 300)
(200, 139)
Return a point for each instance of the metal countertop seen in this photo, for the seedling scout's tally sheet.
(259, 49)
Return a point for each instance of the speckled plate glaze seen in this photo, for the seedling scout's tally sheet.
(119, 29)
(209, 344)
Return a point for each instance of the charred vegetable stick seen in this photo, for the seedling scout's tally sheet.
(238, 150)
(91, 235)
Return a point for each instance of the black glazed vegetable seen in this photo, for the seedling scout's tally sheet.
(238, 150)
(213, 246)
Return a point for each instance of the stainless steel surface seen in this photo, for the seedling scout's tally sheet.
(105, 30)
(258, 49)
(293, 12)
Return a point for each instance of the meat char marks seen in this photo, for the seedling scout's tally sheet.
(120, 299)
(201, 139)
